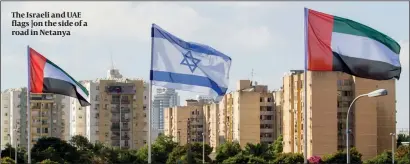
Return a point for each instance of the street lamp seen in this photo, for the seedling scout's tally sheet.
(393, 138)
(376, 93)
(203, 147)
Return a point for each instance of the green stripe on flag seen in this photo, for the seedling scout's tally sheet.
(77, 83)
(347, 26)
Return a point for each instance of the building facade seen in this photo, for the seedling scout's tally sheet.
(49, 117)
(185, 123)
(118, 115)
(164, 98)
(329, 96)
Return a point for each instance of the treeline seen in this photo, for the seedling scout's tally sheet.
(51, 150)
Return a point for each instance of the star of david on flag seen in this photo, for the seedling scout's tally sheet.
(188, 66)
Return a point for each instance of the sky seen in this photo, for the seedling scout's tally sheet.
(266, 37)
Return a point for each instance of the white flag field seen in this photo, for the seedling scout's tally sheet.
(188, 66)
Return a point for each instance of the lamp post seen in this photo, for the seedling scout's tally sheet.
(203, 147)
(376, 93)
(393, 138)
(10, 144)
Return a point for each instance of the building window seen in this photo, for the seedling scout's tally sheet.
(261, 99)
(269, 108)
(97, 87)
(339, 82)
(5, 114)
(38, 130)
(45, 130)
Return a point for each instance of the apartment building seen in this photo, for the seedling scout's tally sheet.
(212, 124)
(164, 98)
(185, 123)
(13, 117)
(49, 117)
(247, 115)
(329, 95)
(118, 112)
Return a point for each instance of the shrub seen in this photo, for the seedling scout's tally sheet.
(315, 160)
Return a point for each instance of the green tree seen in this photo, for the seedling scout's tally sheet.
(403, 154)
(54, 149)
(382, 158)
(11, 151)
(260, 150)
(7, 160)
(340, 157)
(48, 161)
(294, 158)
(278, 145)
(402, 138)
(81, 143)
(226, 150)
(161, 148)
(243, 159)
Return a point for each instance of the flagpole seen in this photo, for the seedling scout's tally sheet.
(150, 97)
(28, 107)
(305, 92)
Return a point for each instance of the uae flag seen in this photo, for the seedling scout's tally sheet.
(47, 77)
(340, 44)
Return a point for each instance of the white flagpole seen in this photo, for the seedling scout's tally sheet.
(305, 92)
(150, 97)
(28, 107)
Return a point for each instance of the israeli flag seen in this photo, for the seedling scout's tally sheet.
(188, 66)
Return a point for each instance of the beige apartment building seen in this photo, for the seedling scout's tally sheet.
(185, 123)
(247, 115)
(329, 95)
(117, 115)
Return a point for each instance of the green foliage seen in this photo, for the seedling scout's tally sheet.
(402, 154)
(259, 150)
(402, 138)
(54, 149)
(340, 157)
(382, 158)
(278, 145)
(226, 150)
(48, 161)
(7, 160)
(244, 158)
(294, 158)
(10, 152)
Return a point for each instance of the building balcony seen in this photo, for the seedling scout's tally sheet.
(117, 101)
(117, 119)
(117, 128)
(129, 89)
(266, 130)
(266, 103)
(124, 137)
(266, 113)
(123, 110)
(344, 98)
(344, 88)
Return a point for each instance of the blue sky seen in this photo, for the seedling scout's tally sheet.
(264, 36)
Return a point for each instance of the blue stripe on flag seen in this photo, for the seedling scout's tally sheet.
(188, 80)
(158, 32)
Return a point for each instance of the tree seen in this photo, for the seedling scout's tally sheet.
(80, 142)
(402, 138)
(161, 148)
(7, 160)
(403, 154)
(48, 161)
(340, 157)
(226, 150)
(54, 149)
(258, 150)
(294, 158)
(382, 158)
(278, 145)
(11, 151)
(244, 158)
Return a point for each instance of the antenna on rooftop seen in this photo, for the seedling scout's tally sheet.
(112, 61)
